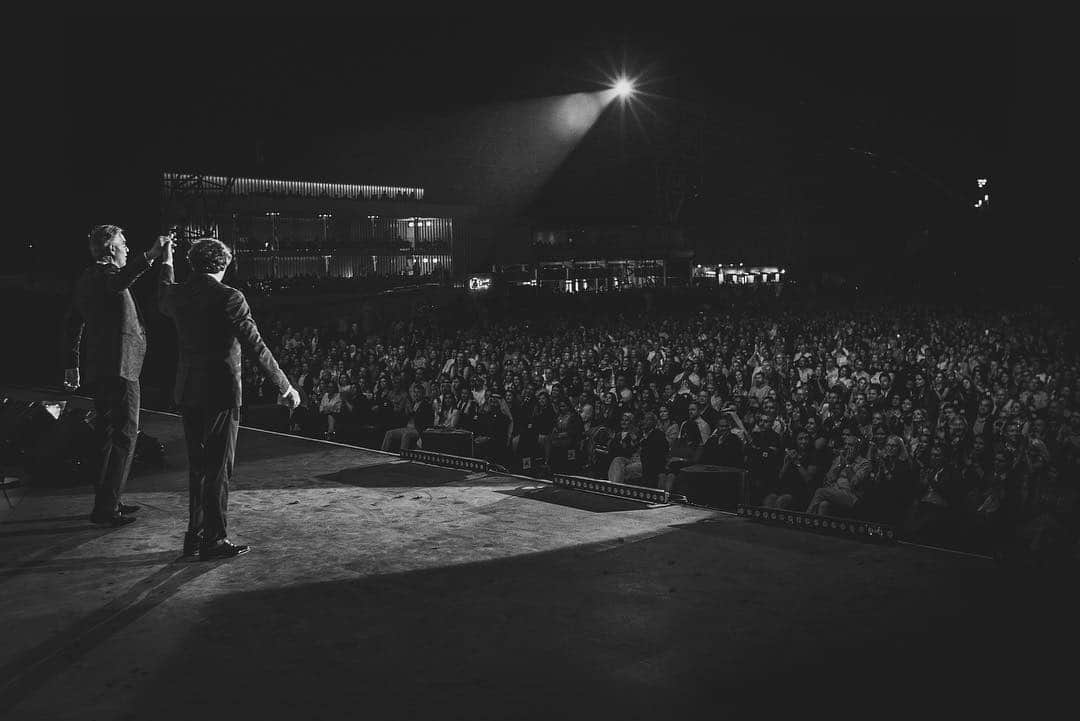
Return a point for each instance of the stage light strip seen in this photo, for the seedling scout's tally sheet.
(607, 488)
(447, 461)
(850, 527)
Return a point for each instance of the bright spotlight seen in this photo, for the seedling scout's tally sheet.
(624, 88)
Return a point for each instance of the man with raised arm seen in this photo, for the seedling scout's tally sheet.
(104, 315)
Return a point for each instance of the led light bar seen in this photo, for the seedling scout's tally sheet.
(652, 496)
(447, 461)
(850, 527)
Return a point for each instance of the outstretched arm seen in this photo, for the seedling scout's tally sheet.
(239, 314)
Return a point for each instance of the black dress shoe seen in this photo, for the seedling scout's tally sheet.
(125, 508)
(111, 519)
(221, 549)
(191, 543)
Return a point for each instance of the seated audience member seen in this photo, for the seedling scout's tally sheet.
(693, 431)
(845, 481)
(989, 517)
(420, 417)
(588, 419)
(381, 408)
(763, 450)
(608, 413)
(723, 447)
(464, 405)
(654, 451)
(647, 459)
(798, 478)
(538, 426)
(566, 433)
(891, 487)
(491, 425)
(521, 405)
(1046, 521)
(668, 426)
(623, 444)
(305, 418)
(931, 517)
(331, 407)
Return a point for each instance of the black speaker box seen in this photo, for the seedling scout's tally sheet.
(454, 442)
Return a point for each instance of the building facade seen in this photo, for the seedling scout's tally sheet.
(287, 228)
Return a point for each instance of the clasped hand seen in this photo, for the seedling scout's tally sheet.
(162, 246)
(290, 398)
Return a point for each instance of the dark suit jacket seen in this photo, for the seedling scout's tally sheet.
(212, 321)
(103, 311)
(654, 454)
(423, 416)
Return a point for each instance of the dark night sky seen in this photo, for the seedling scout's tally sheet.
(933, 97)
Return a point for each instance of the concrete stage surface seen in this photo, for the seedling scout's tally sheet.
(384, 589)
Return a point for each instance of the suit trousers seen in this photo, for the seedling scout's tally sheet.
(211, 446)
(116, 402)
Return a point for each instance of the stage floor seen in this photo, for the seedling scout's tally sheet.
(386, 589)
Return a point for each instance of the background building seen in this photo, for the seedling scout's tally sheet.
(290, 227)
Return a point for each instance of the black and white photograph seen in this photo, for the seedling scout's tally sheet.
(527, 364)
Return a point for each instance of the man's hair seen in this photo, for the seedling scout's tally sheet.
(209, 255)
(100, 237)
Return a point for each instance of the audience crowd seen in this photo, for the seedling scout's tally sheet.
(958, 426)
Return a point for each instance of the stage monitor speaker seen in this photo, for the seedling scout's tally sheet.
(720, 487)
(22, 424)
(452, 441)
(67, 453)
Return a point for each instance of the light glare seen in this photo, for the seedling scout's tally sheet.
(624, 88)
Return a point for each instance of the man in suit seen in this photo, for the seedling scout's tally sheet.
(212, 321)
(105, 314)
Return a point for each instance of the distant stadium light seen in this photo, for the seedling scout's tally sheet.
(624, 88)
(982, 182)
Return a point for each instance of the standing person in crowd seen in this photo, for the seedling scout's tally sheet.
(104, 312)
(212, 321)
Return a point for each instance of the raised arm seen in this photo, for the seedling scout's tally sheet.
(120, 279)
(166, 285)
